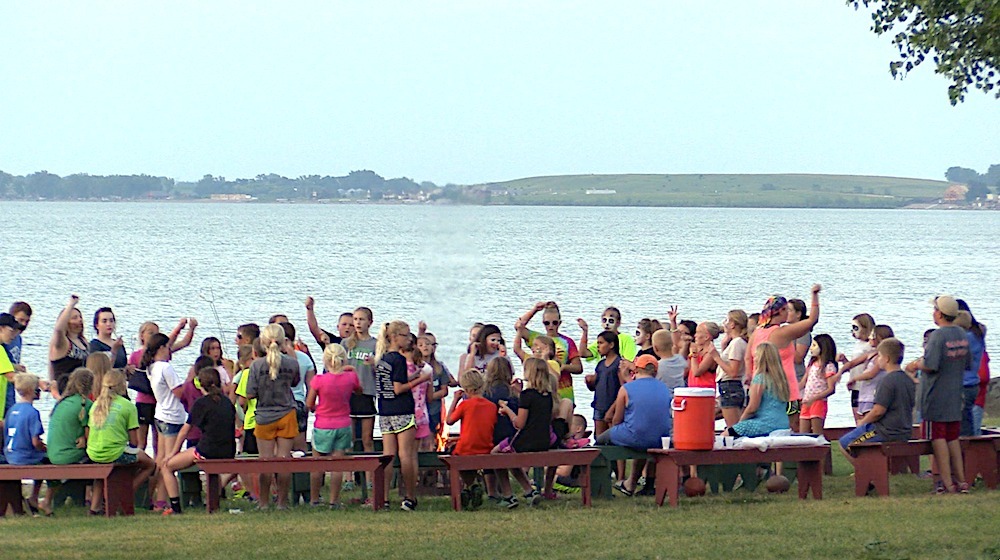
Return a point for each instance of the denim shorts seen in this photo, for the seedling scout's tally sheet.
(166, 428)
(731, 393)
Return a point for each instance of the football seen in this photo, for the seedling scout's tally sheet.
(777, 484)
(694, 486)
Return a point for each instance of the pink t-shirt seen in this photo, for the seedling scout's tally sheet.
(787, 354)
(134, 360)
(334, 390)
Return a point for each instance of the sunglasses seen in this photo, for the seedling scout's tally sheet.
(608, 320)
(551, 323)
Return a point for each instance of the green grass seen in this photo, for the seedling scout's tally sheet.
(780, 190)
(910, 524)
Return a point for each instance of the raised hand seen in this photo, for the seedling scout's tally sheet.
(582, 324)
(310, 302)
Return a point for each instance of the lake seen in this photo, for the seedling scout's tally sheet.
(454, 265)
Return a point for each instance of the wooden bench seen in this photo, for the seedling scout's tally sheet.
(897, 465)
(576, 457)
(604, 464)
(118, 493)
(872, 461)
(284, 465)
(669, 462)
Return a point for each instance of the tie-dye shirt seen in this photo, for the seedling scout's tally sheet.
(566, 352)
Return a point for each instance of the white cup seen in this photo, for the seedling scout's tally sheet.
(665, 442)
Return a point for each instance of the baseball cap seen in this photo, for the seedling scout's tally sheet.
(8, 320)
(946, 305)
(646, 360)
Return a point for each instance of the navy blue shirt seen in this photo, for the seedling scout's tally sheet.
(606, 386)
(392, 369)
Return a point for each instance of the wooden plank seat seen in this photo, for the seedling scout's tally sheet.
(604, 464)
(982, 459)
(285, 465)
(118, 493)
(582, 457)
(897, 465)
(669, 462)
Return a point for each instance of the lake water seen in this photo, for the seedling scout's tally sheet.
(454, 265)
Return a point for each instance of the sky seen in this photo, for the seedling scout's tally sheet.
(469, 92)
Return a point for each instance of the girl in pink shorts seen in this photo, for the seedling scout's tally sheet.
(818, 383)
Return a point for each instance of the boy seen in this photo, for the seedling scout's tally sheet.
(890, 416)
(22, 434)
(670, 368)
(10, 332)
(945, 360)
(478, 416)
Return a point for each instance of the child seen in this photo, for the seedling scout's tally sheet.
(99, 364)
(729, 375)
(67, 441)
(214, 415)
(533, 419)
(22, 434)
(818, 383)
(169, 414)
(484, 349)
(332, 429)
(396, 407)
(500, 389)
(644, 336)
(890, 416)
(867, 381)
(578, 436)
(606, 379)
(671, 368)
(415, 367)
(248, 405)
(767, 410)
(440, 384)
(611, 320)
(192, 391)
(702, 354)
(114, 435)
(478, 417)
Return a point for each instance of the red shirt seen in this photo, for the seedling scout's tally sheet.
(705, 380)
(334, 390)
(478, 417)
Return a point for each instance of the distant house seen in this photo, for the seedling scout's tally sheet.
(601, 191)
(955, 193)
(231, 197)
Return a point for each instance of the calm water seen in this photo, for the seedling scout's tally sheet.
(453, 266)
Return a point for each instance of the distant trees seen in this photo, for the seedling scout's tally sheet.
(979, 183)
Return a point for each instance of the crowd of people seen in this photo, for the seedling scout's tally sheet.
(770, 371)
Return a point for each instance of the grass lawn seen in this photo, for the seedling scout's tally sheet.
(910, 524)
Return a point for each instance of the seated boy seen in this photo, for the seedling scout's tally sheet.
(478, 417)
(22, 434)
(890, 418)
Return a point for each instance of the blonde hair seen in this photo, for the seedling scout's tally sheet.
(149, 327)
(244, 355)
(738, 319)
(549, 344)
(385, 335)
(768, 363)
(272, 338)
(112, 386)
(334, 358)
(713, 329)
(352, 341)
(663, 344)
(472, 382)
(536, 375)
(99, 364)
(25, 384)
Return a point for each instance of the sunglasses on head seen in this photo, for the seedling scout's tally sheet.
(551, 323)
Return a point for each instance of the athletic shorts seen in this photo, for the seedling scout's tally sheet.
(166, 428)
(301, 416)
(145, 411)
(864, 433)
(815, 409)
(250, 442)
(287, 427)
(397, 423)
(794, 407)
(362, 406)
(947, 431)
(328, 441)
(731, 394)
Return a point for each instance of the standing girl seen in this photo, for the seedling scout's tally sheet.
(485, 349)
(360, 348)
(729, 375)
(702, 364)
(861, 329)
(441, 382)
(818, 383)
(607, 377)
(396, 406)
(169, 414)
(567, 353)
(212, 348)
(416, 367)
(330, 398)
(644, 336)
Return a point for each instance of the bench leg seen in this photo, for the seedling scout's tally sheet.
(667, 480)
(214, 489)
(118, 492)
(456, 488)
(828, 464)
(810, 475)
(584, 481)
(378, 488)
(871, 467)
(10, 496)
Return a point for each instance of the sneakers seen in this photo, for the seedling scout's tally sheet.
(494, 500)
(534, 497)
(962, 487)
(410, 505)
(509, 502)
(167, 511)
(336, 506)
(476, 498)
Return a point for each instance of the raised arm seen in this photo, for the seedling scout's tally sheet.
(58, 343)
(584, 351)
(529, 314)
(311, 321)
(518, 340)
(786, 334)
(192, 324)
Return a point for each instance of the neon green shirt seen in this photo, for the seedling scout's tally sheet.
(626, 348)
(5, 368)
(107, 443)
(249, 419)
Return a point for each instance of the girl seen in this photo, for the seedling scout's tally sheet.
(611, 320)
(607, 377)
(212, 348)
(396, 406)
(114, 435)
(767, 409)
(473, 336)
(818, 383)
(360, 348)
(702, 364)
(484, 349)
(190, 395)
(99, 364)
(330, 398)
(68, 346)
(861, 330)
(67, 439)
(270, 382)
(214, 415)
(416, 367)
(169, 414)
(566, 351)
(796, 313)
(499, 389)
(441, 382)
(868, 380)
(478, 417)
(644, 336)
(533, 420)
(104, 324)
(681, 332)
(729, 375)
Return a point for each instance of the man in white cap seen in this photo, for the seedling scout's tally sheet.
(946, 357)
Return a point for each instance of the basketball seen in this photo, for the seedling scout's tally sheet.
(777, 484)
(694, 486)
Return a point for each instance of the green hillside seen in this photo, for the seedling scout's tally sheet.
(793, 191)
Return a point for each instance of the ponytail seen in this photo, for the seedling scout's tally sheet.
(112, 386)
(272, 338)
(385, 334)
(153, 345)
(210, 382)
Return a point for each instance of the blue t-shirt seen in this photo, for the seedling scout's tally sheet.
(606, 386)
(305, 364)
(970, 378)
(21, 424)
(392, 369)
(504, 428)
(14, 350)
(647, 415)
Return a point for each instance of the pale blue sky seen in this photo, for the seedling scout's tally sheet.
(471, 91)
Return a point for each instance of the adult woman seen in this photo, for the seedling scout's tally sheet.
(566, 351)
(861, 330)
(796, 313)
(68, 346)
(702, 364)
(104, 324)
(773, 327)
